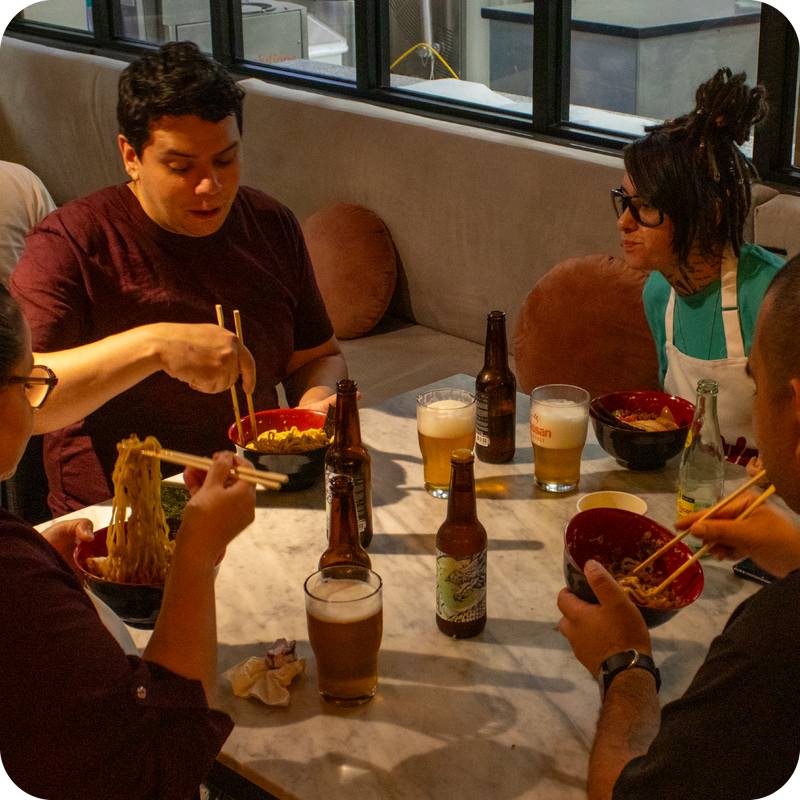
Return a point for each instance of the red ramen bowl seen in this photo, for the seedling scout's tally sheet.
(303, 469)
(635, 449)
(136, 604)
(608, 535)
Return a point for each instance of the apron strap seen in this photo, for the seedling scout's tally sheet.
(734, 341)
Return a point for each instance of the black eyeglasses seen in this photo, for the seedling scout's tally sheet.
(37, 385)
(642, 212)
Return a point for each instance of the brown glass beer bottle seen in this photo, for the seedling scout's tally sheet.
(344, 547)
(348, 456)
(496, 395)
(461, 556)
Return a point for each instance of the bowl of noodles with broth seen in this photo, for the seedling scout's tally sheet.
(126, 564)
(620, 540)
(291, 441)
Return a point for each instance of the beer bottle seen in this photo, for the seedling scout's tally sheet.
(701, 479)
(496, 394)
(461, 556)
(348, 456)
(344, 547)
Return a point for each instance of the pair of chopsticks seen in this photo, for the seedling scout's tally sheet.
(237, 321)
(703, 550)
(270, 480)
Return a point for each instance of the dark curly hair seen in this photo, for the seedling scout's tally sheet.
(692, 169)
(176, 81)
(12, 333)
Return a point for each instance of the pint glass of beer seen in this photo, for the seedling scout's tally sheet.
(559, 421)
(344, 609)
(445, 422)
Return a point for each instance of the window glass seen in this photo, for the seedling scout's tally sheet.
(638, 61)
(75, 14)
(315, 36)
(160, 21)
(473, 51)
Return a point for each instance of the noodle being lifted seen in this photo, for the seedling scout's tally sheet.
(140, 549)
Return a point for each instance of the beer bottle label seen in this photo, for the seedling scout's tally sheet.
(460, 587)
(481, 419)
(359, 495)
(688, 505)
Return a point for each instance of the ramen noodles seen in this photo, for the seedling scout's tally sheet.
(637, 586)
(647, 420)
(290, 442)
(139, 547)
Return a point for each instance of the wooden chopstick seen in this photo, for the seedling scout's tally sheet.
(221, 322)
(271, 480)
(713, 510)
(703, 550)
(237, 321)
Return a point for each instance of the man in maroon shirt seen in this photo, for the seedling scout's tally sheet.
(182, 236)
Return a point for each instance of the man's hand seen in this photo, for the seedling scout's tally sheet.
(596, 632)
(207, 357)
(767, 536)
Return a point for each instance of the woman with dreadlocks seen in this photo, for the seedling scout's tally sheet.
(681, 208)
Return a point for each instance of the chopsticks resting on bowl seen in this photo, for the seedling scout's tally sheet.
(237, 321)
(713, 510)
(221, 322)
(270, 480)
(703, 550)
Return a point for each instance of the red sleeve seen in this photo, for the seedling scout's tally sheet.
(79, 718)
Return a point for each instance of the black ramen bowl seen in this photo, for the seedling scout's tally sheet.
(303, 469)
(136, 604)
(636, 449)
(608, 535)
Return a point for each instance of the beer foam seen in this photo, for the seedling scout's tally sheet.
(336, 600)
(446, 419)
(559, 425)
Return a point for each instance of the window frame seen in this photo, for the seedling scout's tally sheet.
(777, 70)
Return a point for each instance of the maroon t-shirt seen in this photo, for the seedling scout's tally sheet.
(100, 265)
(78, 717)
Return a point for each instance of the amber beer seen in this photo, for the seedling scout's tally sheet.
(344, 546)
(445, 422)
(559, 422)
(344, 609)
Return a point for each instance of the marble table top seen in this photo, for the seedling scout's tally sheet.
(509, 714)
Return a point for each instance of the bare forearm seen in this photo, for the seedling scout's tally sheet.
(90, 375)
(316, 380)
(185, 637)
(629, 721)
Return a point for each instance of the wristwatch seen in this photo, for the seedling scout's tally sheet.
(619, 662)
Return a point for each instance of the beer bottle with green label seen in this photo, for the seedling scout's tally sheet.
(461, 556)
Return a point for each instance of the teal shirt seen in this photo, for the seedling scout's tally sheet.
(695, 316)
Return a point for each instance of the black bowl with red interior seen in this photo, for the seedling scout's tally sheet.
(136, 604)
(638, 449)
(303, 469)
(608, 535)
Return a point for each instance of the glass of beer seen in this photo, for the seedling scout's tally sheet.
(445, 422)
(344, 609)
(559, 421)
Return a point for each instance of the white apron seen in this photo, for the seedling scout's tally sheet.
(736, 387)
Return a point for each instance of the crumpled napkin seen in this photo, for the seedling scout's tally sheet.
(267, 678)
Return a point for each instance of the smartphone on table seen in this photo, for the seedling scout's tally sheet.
(749, 570)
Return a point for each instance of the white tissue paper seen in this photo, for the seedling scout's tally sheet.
(267, 678)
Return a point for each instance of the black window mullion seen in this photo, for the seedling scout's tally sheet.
(372, 45)
(103, 22)
(551, 49)
(226, 31)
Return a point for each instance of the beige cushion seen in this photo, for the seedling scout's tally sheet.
(355, 266)
(584, 324)
(777, 225)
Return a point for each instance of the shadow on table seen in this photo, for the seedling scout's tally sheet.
(452, 772)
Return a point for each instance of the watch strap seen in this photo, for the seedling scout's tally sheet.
(629, 659)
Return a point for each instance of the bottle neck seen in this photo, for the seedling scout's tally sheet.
(344, 522)
(496, 343)
(461, 503)
(348, 424)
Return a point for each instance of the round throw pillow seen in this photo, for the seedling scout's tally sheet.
(355, 266)
(584, 324)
